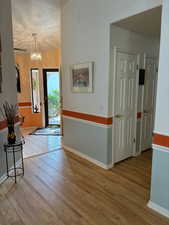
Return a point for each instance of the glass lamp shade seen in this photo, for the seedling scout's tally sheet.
(36, 56)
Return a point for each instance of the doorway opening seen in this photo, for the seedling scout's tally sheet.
(135, 43)
(52, 106)
(29, 70)
(52, 92)
(48, 138)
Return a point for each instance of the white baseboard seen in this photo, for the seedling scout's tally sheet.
(94, 161)
(4, 177)
(158, 209)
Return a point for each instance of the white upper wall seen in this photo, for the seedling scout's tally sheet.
(162, 107)
(132, 42)
(86, 37)
(8, 70)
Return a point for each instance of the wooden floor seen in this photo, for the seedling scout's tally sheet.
(39, 144)
(59, 188)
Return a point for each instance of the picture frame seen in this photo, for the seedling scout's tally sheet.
(82, 77)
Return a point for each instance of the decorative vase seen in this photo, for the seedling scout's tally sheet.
(11, 134)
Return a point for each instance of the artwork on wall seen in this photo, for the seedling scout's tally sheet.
(82, 77)
(0, 66)
(18, 82)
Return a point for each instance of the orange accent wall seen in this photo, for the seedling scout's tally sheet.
(88, 117)
(23, 104)
(162, 140)
(92, 118)
(31, 119)
(50, 59)
(3, 123)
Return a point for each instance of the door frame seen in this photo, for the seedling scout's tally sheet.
(31, 87)
(44, 72)
(142, 108)
(156, 61)
(114, 71)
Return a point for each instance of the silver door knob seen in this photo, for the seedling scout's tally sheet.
(118, 116)
(145, 111)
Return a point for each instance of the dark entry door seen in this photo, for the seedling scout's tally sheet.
(51, 81)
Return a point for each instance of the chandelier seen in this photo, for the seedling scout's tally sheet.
(35, 54)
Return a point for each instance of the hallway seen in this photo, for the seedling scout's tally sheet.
(60, 188)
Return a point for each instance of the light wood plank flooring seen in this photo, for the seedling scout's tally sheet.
(60, 188)
(39, 144)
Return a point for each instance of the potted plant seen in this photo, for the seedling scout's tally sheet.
(9, 113)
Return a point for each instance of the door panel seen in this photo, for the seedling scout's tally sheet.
(149, 104)
(125, 106)
(51, 80)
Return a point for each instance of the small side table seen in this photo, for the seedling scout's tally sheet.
(13, 149)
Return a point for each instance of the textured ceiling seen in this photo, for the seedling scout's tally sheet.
(147, 23)
(36, 16)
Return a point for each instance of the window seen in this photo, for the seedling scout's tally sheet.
(35, 90)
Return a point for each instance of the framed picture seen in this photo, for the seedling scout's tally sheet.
(82, 77)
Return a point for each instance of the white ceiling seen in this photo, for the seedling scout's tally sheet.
(147, 23)
(43, 17)
(36, 16)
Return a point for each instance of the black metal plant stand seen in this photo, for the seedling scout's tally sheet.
(12, 149)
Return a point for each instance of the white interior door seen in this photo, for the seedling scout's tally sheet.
(125, 106)
(150, 87)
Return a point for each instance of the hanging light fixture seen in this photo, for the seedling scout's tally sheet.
(35, 54)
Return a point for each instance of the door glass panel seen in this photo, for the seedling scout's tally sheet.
(35, 90)
(53, 92)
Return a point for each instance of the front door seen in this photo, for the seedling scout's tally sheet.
(51, 80)
(125, 106)
(150, 87)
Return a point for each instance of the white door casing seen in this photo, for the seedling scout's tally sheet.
(149, 99)
(125, 103)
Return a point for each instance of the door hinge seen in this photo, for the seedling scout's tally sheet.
(134, 140)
